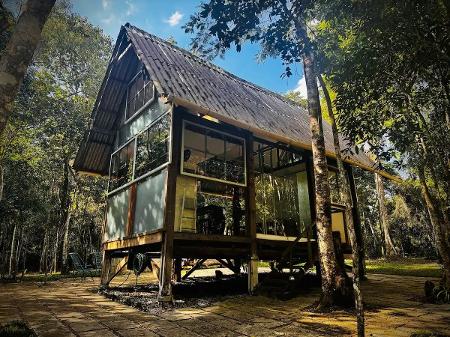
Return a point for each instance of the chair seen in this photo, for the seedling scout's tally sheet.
(79, 266)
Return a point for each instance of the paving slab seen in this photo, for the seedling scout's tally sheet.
(72, 308)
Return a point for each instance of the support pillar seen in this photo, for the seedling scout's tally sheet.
(251, 217)
(166, 268)
(106, 268)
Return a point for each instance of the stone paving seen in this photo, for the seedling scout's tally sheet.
(70, 308)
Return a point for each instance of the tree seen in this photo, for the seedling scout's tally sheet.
(19, 52)
(397, 104)
(389, 248)
(281, 30)
(57, 210)
(346, 197)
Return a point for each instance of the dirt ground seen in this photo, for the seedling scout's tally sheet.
(73, 308)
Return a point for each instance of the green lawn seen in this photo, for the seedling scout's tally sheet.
(37, 277)
(407, 267)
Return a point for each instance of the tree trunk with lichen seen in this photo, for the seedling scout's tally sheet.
(347, 201)
(335, 287)
(437, 223)
(19, 51)
(389, 248)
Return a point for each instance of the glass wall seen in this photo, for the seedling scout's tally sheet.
(213, 155)
(210, 190)
(142, 161)
(152, 147)
(142, 154)
(121, 170)
(282, 201)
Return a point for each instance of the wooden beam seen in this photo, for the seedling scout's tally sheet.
(250, 202)
(194, 268)
(213, 237)
(119, 268)
(178, 268)
(106, 268)
(134, 241)
(131, 211)
(165, 279)
(229, 265)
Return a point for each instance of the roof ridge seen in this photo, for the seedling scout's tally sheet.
(212, 65)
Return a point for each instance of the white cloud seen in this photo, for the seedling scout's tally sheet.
(109, 19)
(301, 87)
(106, 3)
(174, 19)
(131, 8)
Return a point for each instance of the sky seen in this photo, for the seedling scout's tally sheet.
(165, 19)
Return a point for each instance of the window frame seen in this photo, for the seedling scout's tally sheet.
(244, 184)
(134, 139)
(143, 107)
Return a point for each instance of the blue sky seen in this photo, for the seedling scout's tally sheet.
(165, 19)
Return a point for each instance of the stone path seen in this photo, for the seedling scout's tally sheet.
(69, 308)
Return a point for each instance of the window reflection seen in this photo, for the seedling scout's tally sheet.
(212, 154)
(122, 167)
(153, 147)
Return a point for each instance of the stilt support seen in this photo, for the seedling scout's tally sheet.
(106, 268)
(253, 274)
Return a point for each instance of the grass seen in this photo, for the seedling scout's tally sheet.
(16, 329)
(38, 277)
(403, 267)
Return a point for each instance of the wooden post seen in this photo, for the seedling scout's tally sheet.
(131, 211)
(106, 267)
(178, 269)
(251, 216)
(357, 222)
(165, 274)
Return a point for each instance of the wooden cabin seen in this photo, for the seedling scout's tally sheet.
(202, 164)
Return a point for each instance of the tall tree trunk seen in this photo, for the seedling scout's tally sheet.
(43, 261)
(389, 248)
(19, 52)
(13, 258)
(2, 180)
(65, 249)
(347, 200)
(334, 282)
(54, 266)
(65, 213)
(440, 236)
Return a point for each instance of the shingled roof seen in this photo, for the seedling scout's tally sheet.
(190, 81)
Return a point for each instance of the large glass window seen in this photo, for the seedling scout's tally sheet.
(152, 147)
(140, 91)
(279, 193)
(213, 155)
(121, 171)
(152, 151)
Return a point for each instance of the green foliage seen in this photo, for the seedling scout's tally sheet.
(297, 98)
(16, 329)
(51, 113)
(274, 25)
